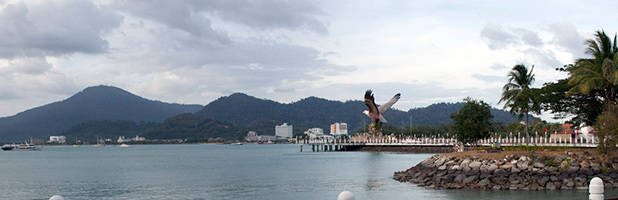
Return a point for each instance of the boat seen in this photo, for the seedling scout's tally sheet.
(76, 145)
(238, 143)
(100, 142)
(124, 145)
(28, 146)
(24, 146)
(8, 147)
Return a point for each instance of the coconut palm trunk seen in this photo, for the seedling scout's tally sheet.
(527, 128)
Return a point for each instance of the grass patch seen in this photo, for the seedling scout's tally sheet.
(538, 148)
(551, 163)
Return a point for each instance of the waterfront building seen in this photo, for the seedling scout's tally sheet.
(57, 139)
(314, 132)
(339, 128)
(284, 130)
(139, 139)
(251, 133)
(122, 139)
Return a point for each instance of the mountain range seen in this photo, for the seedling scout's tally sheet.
(110, 111)
(262, 115)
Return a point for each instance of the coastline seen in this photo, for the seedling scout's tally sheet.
(513, 170)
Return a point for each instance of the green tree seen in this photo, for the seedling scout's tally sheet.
(553, 98)
(597, 74)
(472, 121)
(518, 95)
(607, 126)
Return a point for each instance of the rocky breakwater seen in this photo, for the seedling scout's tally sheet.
(549, 171)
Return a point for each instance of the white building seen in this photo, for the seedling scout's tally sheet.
(314, 132)
(122, 139)
(58, 139)
(252, 133)
(284, 130)
(139, 139)
(339, 129)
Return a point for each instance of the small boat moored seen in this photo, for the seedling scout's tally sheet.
(9, 147)
(124, 145)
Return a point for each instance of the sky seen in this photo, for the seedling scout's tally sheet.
(194, 52)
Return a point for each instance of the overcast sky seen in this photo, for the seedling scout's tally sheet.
(196, 51)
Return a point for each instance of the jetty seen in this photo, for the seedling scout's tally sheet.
(438, 144)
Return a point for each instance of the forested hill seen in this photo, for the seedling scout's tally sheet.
(93, 103)
(262, 114)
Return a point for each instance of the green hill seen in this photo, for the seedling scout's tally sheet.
(262, 114)
(91, 104)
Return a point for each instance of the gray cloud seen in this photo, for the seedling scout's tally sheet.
(498, 67)
(489, 78)
(529, 37)
(543, 58)
(499, 37)
(208, 55)
(54, 28)
(182, 15)
(567, 37)
(194, 16)
(270, 14)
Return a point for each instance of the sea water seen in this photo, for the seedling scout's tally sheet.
(218, 171)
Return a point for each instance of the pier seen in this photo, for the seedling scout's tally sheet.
(359, 142)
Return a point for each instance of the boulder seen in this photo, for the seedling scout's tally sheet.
(539, 165)
(543, 180)
(506, 166)
(483, 182)
(475, 165)
(492, 167)
(534, 186)
(469, 179)
(465, 162)
(499, 172)
(522, 165)
(466, 169)
(584, 164)
(550, 186)
(440, 161)
(572, 169)
(524, 158)
(568, 182)
(459, 178)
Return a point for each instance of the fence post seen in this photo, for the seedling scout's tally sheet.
(346, 195)
(596, 189)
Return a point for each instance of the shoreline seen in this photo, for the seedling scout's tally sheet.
(513, 170)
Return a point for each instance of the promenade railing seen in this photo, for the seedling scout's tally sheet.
(509, 140)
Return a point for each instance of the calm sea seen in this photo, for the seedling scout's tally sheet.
(221, 172)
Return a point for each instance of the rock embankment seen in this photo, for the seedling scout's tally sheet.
(564, 171)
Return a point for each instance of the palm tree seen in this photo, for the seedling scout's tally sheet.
(518, 95)
(597, 75)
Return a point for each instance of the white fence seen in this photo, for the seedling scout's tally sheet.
(579, 141)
